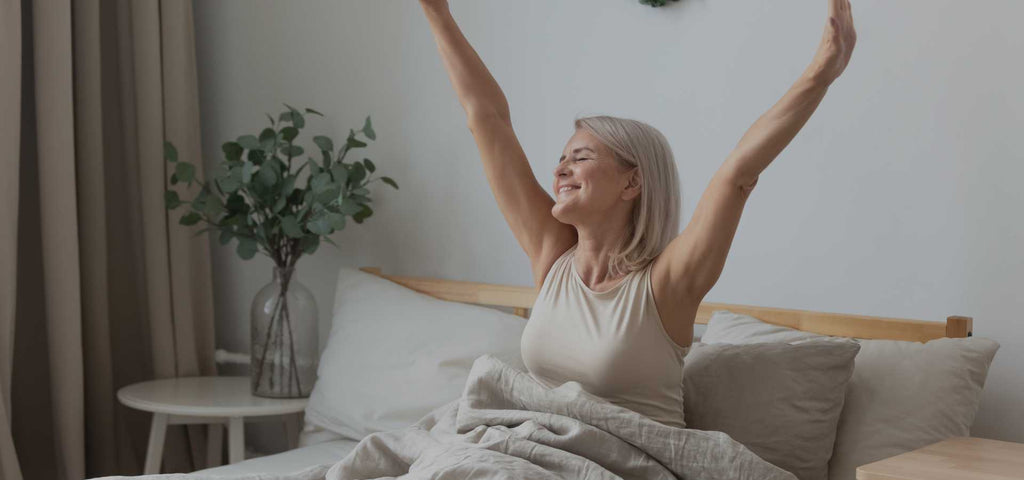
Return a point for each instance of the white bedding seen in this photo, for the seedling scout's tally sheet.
(325, 453)
(506, 425)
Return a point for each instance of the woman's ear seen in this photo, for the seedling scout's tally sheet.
(634, 186)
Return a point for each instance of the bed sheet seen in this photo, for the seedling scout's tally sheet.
(290, 461)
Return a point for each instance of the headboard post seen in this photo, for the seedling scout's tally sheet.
(959, 327)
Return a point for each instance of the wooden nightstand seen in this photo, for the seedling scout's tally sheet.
(960, 458)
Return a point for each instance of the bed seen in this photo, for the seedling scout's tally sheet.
(879, 386)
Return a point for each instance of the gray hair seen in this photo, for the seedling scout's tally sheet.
(655, 218)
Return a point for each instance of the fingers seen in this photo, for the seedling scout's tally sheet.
(840, 9)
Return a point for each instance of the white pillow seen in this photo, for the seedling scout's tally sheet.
(394, 354)
(902, 396)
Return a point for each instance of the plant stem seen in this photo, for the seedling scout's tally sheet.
(266, 342)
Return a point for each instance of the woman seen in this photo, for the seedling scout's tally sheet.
(619, 289)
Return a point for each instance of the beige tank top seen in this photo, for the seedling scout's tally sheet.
(612, 342)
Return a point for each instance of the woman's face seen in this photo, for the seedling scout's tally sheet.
(590, 183)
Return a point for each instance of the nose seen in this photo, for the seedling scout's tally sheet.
(562, 169)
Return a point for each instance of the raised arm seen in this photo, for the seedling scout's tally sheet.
(521, 199)
(693, 261)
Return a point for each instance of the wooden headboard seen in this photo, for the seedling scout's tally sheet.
(520, 299)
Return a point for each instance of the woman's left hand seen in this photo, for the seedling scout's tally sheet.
(836, 44)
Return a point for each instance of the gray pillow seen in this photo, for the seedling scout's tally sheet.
(902, 395)
(780, 400)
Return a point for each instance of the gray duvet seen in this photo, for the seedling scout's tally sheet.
(506, 425)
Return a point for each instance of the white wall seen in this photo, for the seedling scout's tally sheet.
(901, 197)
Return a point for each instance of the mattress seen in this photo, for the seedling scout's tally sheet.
(291, 461)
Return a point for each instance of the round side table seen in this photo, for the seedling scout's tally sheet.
(216, 401)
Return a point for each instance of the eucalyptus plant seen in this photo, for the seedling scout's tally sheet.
(656, 3)
(256, 198)
(271, 201)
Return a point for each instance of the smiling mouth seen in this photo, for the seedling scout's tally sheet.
(567, 188)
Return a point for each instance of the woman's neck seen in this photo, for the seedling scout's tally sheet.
(594, 250)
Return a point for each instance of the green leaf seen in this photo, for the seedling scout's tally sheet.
(231, 181)
(289, 133)
(340, 173)
(289, 185)
(170, 153)
(239, 220)
(325, 143)
(174, 179)
(280, 203)
(226, 236)
(292, 150)
(296, 117)
(184, 171)
(328, 240)
(249, 142)
(247, 248)
(268, 137)
(171, 199)
(320, 182)
(319, 224)
(389, 181)
(309, 244)
(328, 195)
(360, 198)
(353, 143)
(190, 218)
(285, 116)
(232, 151)
(213, 208)
(336, 220)
(361, 191)
(310, 110)
(246, 173)
(350, 207)
(270, 118)
(357, 174)
(369, 165)
(257, 156)
(268, 174)
(363, 214)
(368, 130)
(236, 204)
(199, 203)
(291, 227)
(313, 167)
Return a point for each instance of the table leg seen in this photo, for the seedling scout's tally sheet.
(291, 428)
(236, 439)
(214, 444)
(155, 450)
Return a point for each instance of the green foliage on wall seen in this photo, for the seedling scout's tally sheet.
(656, 3)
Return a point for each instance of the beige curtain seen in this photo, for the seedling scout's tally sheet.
(99, 286)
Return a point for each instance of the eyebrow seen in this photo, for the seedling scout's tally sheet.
(577, 150)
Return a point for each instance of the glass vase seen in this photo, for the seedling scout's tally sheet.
(285, 339)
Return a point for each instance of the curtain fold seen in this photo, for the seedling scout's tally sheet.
(10, 103)
(99, 286)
